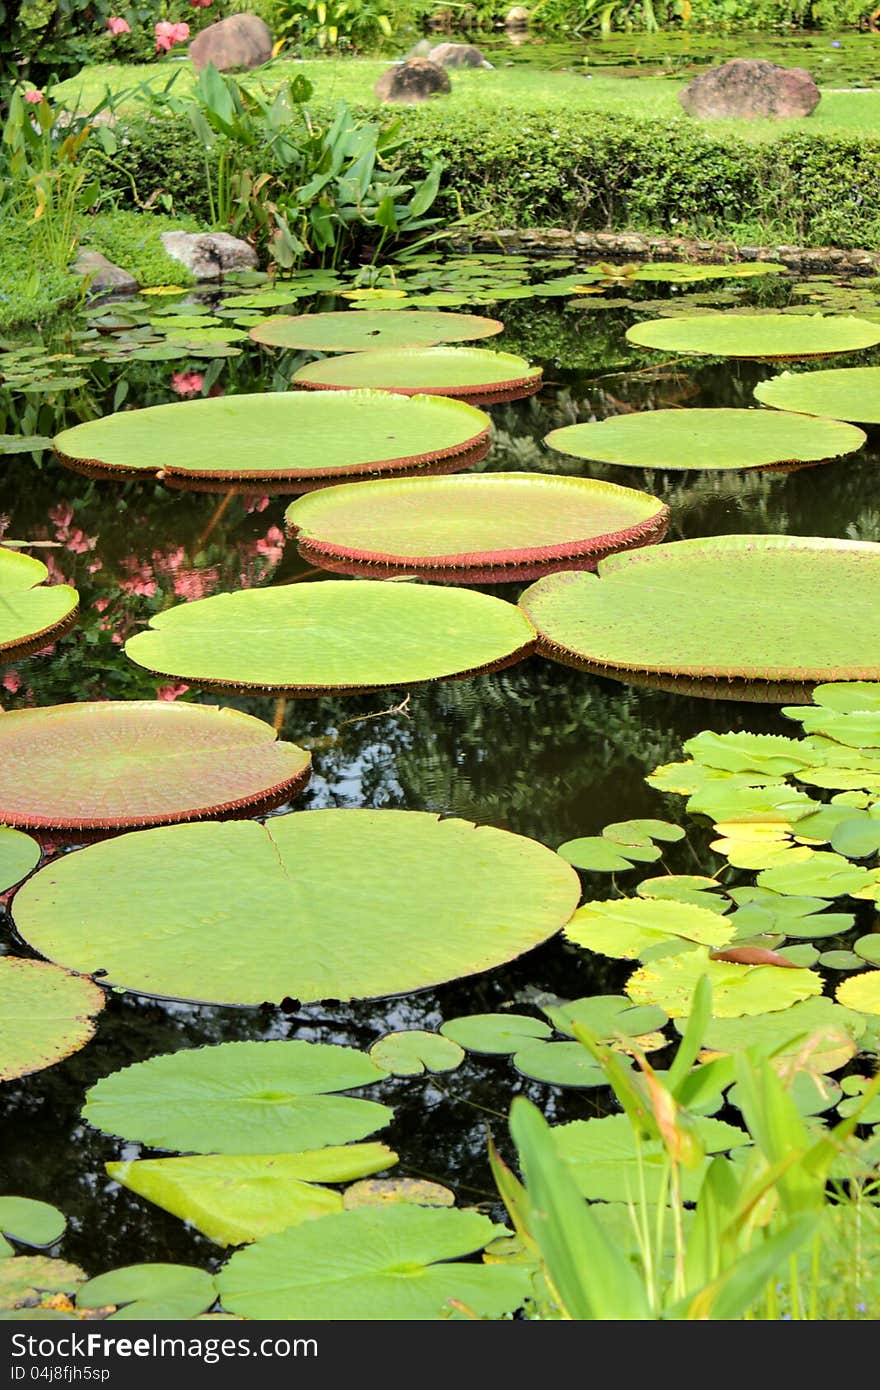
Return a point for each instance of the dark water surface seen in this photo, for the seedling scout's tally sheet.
(539, 749)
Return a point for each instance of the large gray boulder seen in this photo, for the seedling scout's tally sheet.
(241, 41)
(458, 55)
(415, 80)
(103, 276)
(749, 88)
(209, 255)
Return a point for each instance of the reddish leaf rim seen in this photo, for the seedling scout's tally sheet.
(36, 641)
(517, 388)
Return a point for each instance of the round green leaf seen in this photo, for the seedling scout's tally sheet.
(811, 1094)
(240, 1097)
(625, 927)
(31, 611)
(609, 1164)
(823, 875)
(848, 697)
(495, 1034)
(713, 439)
(756, 335)
(415, 1051)
(45, 1015)
(868, 947)
(819, 1032)
(385, 328)
(339, 635)
(609, 1016)
(559, 1064)
(32, 1223)
(695, 889)
(861, 992)
(18, 853)
(482, 528)
(436, 371)
(744, 752)
(394, 1263)
(597, 855)
(24, 1279)
(839, 960)
(122, 763)
(155, 1291)
(736, 989)
(802, 609)
(844, 393)
(339, 904)
(292, 437)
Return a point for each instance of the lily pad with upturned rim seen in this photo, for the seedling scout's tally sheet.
(336, 636)
(707, 439)
(468, 373)
(764, 336)
(339, 904)
(385, 328)
(842, 393)
(115, 763)
(31, 612)
(488, 527)
(45, 1015)
(293, 437)
(763, 608)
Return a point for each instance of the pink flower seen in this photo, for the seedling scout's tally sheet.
(171, 692)
(272, 544)
(256, 504)
(33, 96)
(116, 25)
(11, 682)
(169, 34)
(61, 515)
(195, 584)
(80, 543)
(206, 4)
(187, 383)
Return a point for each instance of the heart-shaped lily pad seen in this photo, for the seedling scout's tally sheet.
(150, 1291)
(559, 1064)
(842, 393)
(30, 1222)
(736, 989)
(120, 763)
(340, 635)
(802, 609)
(18, 853)
(31, 612)
(399, 1262)
(495, 1034)
(625, 927)
(756, 335)
(817, 1033)
(338, 904)
(45, 1015)
(610, 1016)
(413, 1051)
(492, 526)
(469, 373)
(711, 439)
(294, 438)
(384, 328)
(610, 1164)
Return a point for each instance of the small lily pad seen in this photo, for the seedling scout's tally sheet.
(844, 393)
(823, 875)
(559, 1064)
(381, 1192)
(695, 889)
(163, 1292)
(25, 1279)
(384, 328)
(45, 1015)
(415, 1051)
(861, 992)
(756, 335)
(868, 948)
(598, 855)
(29, 1222)
(609, 1016)
(495, 1034)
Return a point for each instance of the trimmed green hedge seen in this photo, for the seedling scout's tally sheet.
(596, 172)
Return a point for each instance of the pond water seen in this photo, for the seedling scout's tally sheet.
(538, 749)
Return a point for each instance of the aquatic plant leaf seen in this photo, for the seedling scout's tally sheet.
(156, 1291)
(756, 335)
(744, 752)
(495, 1034)
(397, 1263)
(625, 927)
(853, 729)
(847, 697)
(603, 1156)
(736, 989)
(339, 635)
(339, 904)
(823, 875)
(670, 608)
(776, 807)
(19, 854)
(240, 1098)
(290, 437)
(414, 1051)
(861, 992)
(45, 1015)
(491, 526)
(642, 831)
(608, 1017)
(695, 889)
(115, 763)
(681, 272)
(839, 960)
(384, 328)
(30, 609)
(30, 1222)
(25, 1278)
(816, 1033)
(594, 854)
(843, 393)
(559, 1064)
(868, 947)
(707, 439)
(380, 1192)
(23, 443)
(434, 371)
(811, 1093)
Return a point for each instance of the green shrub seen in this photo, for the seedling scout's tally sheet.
(133, 241)
(29, 293)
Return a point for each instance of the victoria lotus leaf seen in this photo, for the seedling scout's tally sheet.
(341, 904)
(491, 525)
(19, 854)
(290, 437)
(671, 608)
(386, 328)
(150, 1291)
(30, 1222)
(413, 1051)
(241, 1098)
(495, 1034)
(756, 335)
(30, 609)
(736, 989)
(861, 992)
(434, 371)
(842, 393)
(116, 763)
(340, 635)
(626, 927)
(45, 1015)
(400, 1263)
(25, 1279)
(707, 439)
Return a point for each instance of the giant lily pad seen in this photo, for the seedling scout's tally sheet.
(843, 393)
(400, 1262)
(756, 335)
(337, 904)
(18, 853)
(470, 373)
(340, 635)
(31, 611)
(488, 527)
(291, 438)
(45, 1014)
(800, 609)
(124, 763)
(385, 328)
(736, 989)
(240, 1098)
(715, 439)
